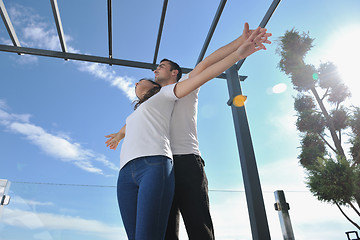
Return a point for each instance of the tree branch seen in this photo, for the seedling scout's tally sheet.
(340, 135)
(347, 216)
(327, 143)
(353, 207)
(330, 123)
(325, 94)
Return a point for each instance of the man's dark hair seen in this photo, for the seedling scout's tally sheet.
(174, 66)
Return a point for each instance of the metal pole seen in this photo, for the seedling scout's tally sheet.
(161, 26)
(212, 30)
(263, 23)
(283, 209)
(8, 24)
(4, 199)
(254, 198)
(109, 7)
(56, 13)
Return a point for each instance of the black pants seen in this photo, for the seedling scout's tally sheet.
(191, 199)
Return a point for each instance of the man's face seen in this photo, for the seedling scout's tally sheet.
(163, 74)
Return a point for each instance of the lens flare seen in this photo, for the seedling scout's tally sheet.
(239, 100)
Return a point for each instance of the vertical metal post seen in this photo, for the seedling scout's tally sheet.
(109, 7)
(4, 199)
(283, 209)
(254, 198)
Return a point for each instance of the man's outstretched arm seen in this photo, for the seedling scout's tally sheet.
(226, 50)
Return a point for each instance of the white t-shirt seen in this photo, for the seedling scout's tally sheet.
(183, 131)
(148, 127)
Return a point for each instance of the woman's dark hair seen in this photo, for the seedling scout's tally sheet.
(149, 93)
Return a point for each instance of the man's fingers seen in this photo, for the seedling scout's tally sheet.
(258, 38)
(254, 34)
(246, 27)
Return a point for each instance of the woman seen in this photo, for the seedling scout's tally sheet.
(145, 184)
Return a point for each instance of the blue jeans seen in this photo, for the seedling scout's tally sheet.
(145, 192)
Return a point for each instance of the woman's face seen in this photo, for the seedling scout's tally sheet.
(142, 87)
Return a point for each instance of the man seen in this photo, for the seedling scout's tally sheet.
(191, 185)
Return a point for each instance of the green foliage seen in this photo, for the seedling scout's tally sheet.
(340, 118)
(312, 149)
(355, 149)
(304, 103)
(293, 47)
(302, 78)
(310, 122)
(339, 94)
(334, 182)
(355, 122)
(355, 141)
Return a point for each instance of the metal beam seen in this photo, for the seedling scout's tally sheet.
(8, 24)
(161, 26)
(86, 58)
(109, 5)
(59, 27)
(254, 197)
(211, 30)
(263, 23)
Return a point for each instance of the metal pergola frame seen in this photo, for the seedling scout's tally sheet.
(254, 197)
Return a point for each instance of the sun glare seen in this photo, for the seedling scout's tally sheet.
(342, 51)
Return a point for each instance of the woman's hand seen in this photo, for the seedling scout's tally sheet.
(113, 141)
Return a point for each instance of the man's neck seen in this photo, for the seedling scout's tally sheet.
(166, 82)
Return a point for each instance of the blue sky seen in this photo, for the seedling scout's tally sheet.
(54, 113)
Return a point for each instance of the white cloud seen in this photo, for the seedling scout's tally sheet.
(37, 33)
(3, 104)
(6, 117)
(124, 83)
(5, 41)
(47, 221)
(57, 146)
(20, 201)
(38, 36)
(26, 59)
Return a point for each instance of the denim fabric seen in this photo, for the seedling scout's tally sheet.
(145, 192)
(190, 199)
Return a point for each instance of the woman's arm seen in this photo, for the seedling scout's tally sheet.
(115, 138)
(250, 45)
